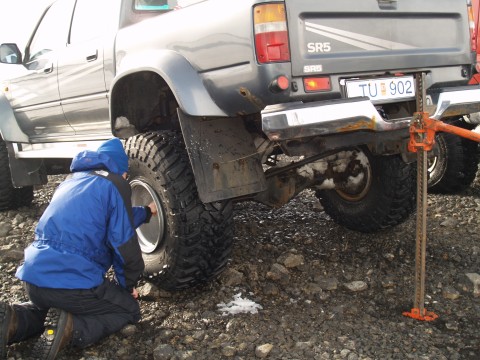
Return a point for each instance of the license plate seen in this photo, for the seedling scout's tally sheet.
(382, 89)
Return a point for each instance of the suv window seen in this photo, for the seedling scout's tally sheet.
(92, 20)
(52, 33)
(154, 5)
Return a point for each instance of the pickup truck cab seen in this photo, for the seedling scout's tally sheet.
(226, 101)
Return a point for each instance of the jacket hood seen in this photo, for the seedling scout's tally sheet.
(114, 149)
(91, 160)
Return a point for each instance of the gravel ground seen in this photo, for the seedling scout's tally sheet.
(307, 289)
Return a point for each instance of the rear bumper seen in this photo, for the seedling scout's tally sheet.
(456, 101)
(300, 120)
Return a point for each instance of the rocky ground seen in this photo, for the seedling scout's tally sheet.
(306, 289)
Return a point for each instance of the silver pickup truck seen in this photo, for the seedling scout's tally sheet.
(221, 101)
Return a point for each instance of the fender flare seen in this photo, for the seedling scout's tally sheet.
(9, 129)
(184, 81)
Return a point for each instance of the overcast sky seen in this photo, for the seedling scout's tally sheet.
(17, 19)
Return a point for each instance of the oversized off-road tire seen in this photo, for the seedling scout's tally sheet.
(187, 242)
(453, 164)
(384, 198)
(10, 197)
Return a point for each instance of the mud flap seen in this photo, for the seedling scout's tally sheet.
(223, 157)
(26, 172)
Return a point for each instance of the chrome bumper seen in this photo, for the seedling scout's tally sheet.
(300, 120)
(454, 102)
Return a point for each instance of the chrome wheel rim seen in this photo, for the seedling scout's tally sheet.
(150, 235)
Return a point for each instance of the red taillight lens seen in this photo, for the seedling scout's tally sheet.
(472, 26)
(271, 34)
(280, 83)
(317, 84)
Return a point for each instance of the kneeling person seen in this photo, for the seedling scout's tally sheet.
(88, 228)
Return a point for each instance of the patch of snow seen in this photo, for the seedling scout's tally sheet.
(327, 184)
(239, 305)
(355, 180)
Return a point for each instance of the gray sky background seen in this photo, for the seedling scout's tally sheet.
(17, 19)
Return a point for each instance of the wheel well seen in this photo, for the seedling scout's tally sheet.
(142, 102)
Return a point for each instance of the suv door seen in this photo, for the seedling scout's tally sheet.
(81, 73)
(34, 92)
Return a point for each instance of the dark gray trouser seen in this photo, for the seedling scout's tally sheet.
(97, 312)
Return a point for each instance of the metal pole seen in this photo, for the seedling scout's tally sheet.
(418, 311)
(421, 233)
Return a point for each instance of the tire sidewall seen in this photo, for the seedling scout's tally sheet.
(155, 260)
(197, 238)
(7, 191)
(389, 200)
(442, 158)
(456, 164)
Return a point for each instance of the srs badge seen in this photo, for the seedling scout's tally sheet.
(312, 68)
(319, 47)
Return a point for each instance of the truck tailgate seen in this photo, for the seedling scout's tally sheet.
(330, 36)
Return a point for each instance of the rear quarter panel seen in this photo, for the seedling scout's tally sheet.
(216, 38)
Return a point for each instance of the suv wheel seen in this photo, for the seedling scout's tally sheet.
(453, 165)
(187, 242)
(384, 198)
(11, 197)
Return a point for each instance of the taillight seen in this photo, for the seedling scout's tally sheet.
(314, 84)
(271, 33)
(471, 23)
(280, 83)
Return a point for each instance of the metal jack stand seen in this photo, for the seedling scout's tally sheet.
(422, 138)
(420, 143)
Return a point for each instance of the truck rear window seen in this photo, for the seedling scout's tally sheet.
(163, 5)
(155, 5)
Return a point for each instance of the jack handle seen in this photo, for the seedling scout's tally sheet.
(425, 128)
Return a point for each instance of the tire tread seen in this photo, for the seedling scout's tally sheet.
(202, 233)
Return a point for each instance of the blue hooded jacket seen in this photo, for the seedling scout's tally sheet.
(86, 229)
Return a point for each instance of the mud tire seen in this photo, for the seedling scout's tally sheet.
(454, 164)
(388, 200)
(195, 239)
(11, 197)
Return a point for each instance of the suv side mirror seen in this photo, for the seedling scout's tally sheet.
(10, 54)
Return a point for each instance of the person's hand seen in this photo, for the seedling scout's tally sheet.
(135, 293)
(153, 208)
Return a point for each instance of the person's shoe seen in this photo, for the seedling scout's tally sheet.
(8, 327)
(57, 334)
